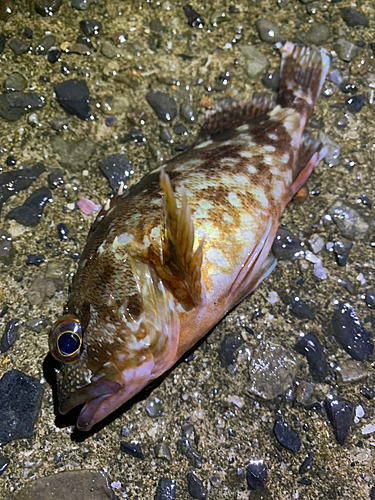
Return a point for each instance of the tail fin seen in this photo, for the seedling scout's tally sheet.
(303, 71)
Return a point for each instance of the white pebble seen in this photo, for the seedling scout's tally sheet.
(368, 429)
(319, 271)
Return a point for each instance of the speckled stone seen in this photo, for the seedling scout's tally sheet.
(13, 105)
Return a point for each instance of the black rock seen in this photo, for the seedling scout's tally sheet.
(306, 464)
(184, 447)
(90, 27)
(349, 332)
(271, 81)
(187, 112)
(28, 32)
(55, 179)
(166, 489)
(164, 106)
(30, 213)
(4, 462)
(15, 181)
(372, 493)
(3, 311)
(256, 474)
(228, 349)
(134, 450)
(2, 43)
(300, 308)
(135, 136)
(20, 402)
(179, 129)
(287, 246)
(195, 486)
(73, 96)
(44, 45)
(35, 259)
(367, 392)
(47, 7)
(13, 105)
(342, 250)
(11, 161)
(286, 435)
(370, 298)
(372, 46)
(340, 413)
(84, 40)
(10, 334)
(116, 168)
(353, 17)
(305, 481)
(53, 55)
(309, 346)
(355, 103)
(62, 231)
(6, 248)
(365, 201)
(65, 68)
(18, 46)
(194, 19)
(348, 88)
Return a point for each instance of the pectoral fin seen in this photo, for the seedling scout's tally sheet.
(180, 267)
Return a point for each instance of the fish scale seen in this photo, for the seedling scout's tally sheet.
(167, 259)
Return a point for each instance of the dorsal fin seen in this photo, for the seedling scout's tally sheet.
(230, 115)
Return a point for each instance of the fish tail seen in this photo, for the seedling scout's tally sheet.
(303, 71)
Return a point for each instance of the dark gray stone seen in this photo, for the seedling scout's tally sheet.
(10, 334)
(154, 407)
(256, 474)
(342, 250)
(2, 42)
(187, 112)
(73, 96)
(47, 7)
(340, 413)
(272, 81)
(20, 402)
(195, 486)
(4, 462)
(286, 435)
(55, 179)
(193, 18)
(15, 82)
(13, 105)
(35, 259)
(18, 46)
(228, 349)
(116, 168)
(370, 298)
(45, 44)
(350, 334)
(269, 32)
(306, 464)
(90, 27)
(30, 213)
(15, 181)
(164, 106)
(132, 449)
(309, 346)
(287, 246)
(166, 489)
(81, 4)
(6, 248)
(355, 103)
(353, 17)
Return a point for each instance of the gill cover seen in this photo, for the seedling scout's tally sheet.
(65, 339)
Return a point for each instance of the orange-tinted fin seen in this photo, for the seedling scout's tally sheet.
(181, 266)
(311, 152)
(228, 116)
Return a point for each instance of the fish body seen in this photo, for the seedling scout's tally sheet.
(167, 259)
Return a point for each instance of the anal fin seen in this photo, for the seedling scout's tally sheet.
(311, 152)
(180, 267)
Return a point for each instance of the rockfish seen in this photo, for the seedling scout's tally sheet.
(167, 259)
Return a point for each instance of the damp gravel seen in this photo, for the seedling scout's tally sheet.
(93, 93)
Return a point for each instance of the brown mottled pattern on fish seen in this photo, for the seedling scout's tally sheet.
(167, 259)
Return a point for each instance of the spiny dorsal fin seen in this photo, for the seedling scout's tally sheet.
(227, 116)
(180, 266)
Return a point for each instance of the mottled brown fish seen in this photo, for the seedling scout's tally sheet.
(167, 259)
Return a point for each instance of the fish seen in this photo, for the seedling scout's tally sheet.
(168, 258)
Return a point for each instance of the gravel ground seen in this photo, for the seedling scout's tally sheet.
(219, 425)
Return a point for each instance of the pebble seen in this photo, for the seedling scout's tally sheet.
(316, 243)
(154, 407)
(348, 87)
(353, 17)
(6, 248)
(20, 403)
(229, 347)
(306, 464)
(15, 181)
(370, 298)
(53, 55)
(18, 46)
(334, 150)
(186, 443)
(269, 32)
(62, 231)
(90, 27)
(35, 325)
(73, 154)
(13, 105)
(166, 489)
(271, 81)
(372, 493)
(342, 250)
(317, 34)
(75, 484)
(193, 18)
(35, 259)
(345, 49)
(15, 82)
(162, 451)
(4, 462)
(10, 334)
(187, 112)
(81, 4)
(350, 334)
(272, 370)
(286, 435)
(164, 106)
(367, 392)
(114, 105)
(116, 168)
(2, 42)
(350, 371)
(45, 44)
(39, 289)
(73, 96)
(300, 308)
(355, 103)
(256, 474)
(47, 7)
(132, 449)
(195, 486)
(348, 220)
(255, 62)
(108, 49)
(30, 213)
(303, 392)
(287, 246)
(310, 347)
(134, 135)
(55, 179)
(340, 413)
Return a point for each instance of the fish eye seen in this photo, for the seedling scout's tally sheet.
(65, 340)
